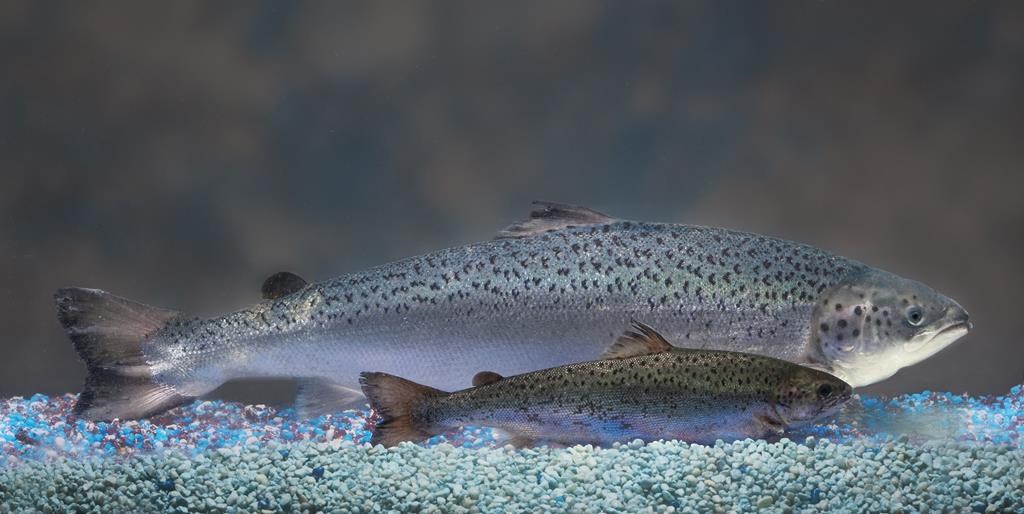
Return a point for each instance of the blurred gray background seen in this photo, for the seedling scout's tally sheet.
(176, 153)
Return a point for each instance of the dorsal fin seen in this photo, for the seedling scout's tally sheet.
(550, 216)
(485, 378)
(280, 284)
(641, 340)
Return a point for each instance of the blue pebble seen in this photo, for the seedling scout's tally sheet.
(318, 472)
(815, 496)
(284, 453)
(165, 485)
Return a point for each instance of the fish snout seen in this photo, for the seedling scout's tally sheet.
(966, 319)
(958, 318)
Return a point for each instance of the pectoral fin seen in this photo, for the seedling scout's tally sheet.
(771, 425)
(317, 397)
(504, 437)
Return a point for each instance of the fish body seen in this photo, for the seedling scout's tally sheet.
(550, 291)
(692, 395)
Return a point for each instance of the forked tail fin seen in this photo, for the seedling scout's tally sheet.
(108, 332)
(394, 399)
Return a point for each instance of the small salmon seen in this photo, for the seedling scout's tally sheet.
(643, 388)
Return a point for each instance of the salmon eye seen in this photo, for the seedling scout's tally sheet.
(915, 316)
(824, 391)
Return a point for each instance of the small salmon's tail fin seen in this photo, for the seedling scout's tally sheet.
(108, 332)
(394, 399)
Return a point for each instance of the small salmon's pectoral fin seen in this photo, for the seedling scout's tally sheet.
(317, 397)
(552, 216)
(640, 340)
(486, 378)
(504, 437)
(282, 283)
(521, 441)
(771, 426)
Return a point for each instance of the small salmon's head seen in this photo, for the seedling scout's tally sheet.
(808, 394)
(874, 323)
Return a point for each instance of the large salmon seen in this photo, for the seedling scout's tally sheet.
(552, 290)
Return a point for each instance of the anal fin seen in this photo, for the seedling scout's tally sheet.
(318, 396)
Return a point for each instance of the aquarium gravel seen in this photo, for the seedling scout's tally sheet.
(924, 452)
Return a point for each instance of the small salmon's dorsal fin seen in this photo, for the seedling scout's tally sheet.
(640, 340)
(549, 216)
(485, 378)
(282, 283)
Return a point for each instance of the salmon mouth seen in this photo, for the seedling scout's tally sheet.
(838, 400)
(965, 326)
(929, 344)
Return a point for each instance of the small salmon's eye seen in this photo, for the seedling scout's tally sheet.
(824, 391)
(915, 316)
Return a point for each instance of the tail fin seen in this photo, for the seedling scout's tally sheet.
(108, 332)
(394, 399)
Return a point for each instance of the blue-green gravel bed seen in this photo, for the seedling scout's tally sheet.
(341, 476)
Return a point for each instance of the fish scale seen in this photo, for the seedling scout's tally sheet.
(552, 290)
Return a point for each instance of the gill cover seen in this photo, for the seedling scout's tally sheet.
(873, 323)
